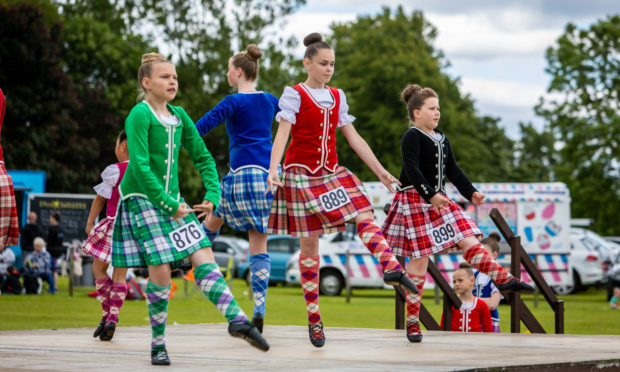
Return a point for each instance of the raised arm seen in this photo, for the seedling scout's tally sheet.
(225, 108)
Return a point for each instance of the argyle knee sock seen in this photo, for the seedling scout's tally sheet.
(479, 258)
(309, 270)
(117, 297)
(373, 239)
(210, 281)
(413, 301)
(260, 267)
(103, 290)
(157, 304)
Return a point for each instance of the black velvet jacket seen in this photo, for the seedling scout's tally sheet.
(427, 162)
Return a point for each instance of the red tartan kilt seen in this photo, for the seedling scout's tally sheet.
(407, 228)
(9, 227)
(297, 209)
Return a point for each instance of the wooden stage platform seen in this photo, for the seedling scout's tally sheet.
(208, 347)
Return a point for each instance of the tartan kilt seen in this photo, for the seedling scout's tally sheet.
(9, 227)
(98, 243)
(407, 228)
(141, 238)
(297, 210)
(244, 205)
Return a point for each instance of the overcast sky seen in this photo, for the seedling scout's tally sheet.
(496, 48)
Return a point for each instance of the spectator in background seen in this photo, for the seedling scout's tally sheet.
(11, 284)
(7, 258)
(29, 232)
(473, 315)
(54, 244)
(38, 263)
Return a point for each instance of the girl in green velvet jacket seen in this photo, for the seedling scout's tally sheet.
(154, 226)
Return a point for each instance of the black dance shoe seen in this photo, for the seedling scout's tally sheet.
(413, 332)
(108, 331)
(317, 337)
(99, 328)
(159, 357)
(399, 278)
(257, 321)
(515, 285)
(249, 333)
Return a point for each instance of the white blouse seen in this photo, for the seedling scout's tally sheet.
(110, 177)
(291, 101)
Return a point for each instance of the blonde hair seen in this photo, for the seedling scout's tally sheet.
(248, 61)
(38, 240)
(414, 97)
(146, 68)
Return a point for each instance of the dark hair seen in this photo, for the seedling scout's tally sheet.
(414, 97)
(467, 267)
(56, 216)
(313, 43)
(492, 241)
(122, 136)
(146, 67)
(248, 61)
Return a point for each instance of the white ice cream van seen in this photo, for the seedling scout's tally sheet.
(538, 212)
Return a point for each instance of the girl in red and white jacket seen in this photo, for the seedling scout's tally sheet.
(315, 194)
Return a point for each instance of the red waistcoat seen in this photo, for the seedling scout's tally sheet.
(313, 143)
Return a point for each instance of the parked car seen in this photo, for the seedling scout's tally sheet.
(280, 249)
(226, 247)
(587, 259)
(608, 249)
(613, 276)
(364, 269)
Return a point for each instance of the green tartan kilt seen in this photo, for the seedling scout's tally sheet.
(141, 235)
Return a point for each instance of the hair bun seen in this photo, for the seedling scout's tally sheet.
(409, 91)
(254, 52)
(150, 57)
(495, 235)
(312, 38)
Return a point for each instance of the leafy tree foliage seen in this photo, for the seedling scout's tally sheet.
(582, 112)
(50, 123)
(376, 57)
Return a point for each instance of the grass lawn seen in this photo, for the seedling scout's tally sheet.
(586, 312)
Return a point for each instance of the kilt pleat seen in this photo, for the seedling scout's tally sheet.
(9, 226)
(244, 205)
(297, 209)
(141, 238)
(407, 228)
(98, 243)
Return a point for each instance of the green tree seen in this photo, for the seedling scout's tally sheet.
(583, 114)
(376, 57)
(51, 123)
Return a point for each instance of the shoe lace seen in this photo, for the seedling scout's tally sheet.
(316, 330)
(413, 329)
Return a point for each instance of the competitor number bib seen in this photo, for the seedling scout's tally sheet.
(443, 234)
(334, 199)
(186, 236)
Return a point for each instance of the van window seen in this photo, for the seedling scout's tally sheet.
(278, 245)
(220, 247)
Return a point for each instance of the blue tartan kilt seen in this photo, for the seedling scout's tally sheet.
(140, 236)
(244, 205)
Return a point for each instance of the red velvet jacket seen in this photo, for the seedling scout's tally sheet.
(313, 143)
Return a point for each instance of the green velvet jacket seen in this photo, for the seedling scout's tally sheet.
(154, 146)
